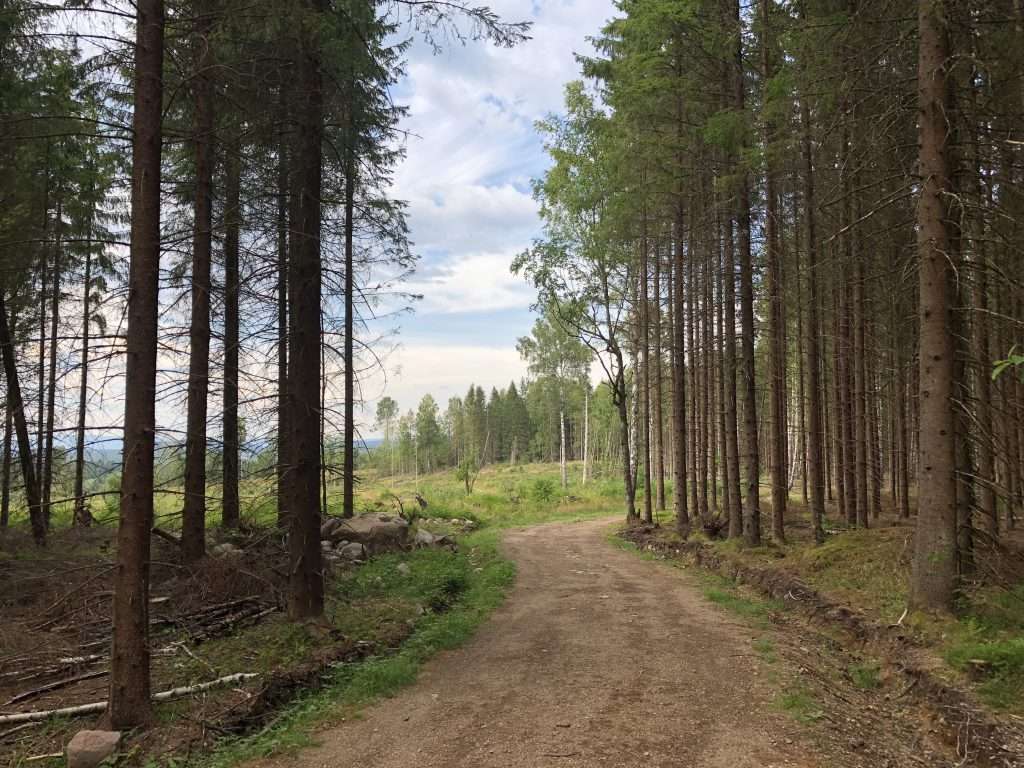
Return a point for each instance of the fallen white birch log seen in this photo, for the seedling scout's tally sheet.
(100, 706)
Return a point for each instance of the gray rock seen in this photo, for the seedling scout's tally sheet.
(424, 538)
(326, 545)
(90, 748)
(330, 528)
(353, 551)
(374, 533)
(226, 550)
(404, 569)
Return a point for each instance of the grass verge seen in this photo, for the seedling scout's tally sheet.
(461, 591)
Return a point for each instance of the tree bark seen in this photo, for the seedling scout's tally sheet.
(645, 357)
(283, 401)
(815, 433)
(752, 469)
(82, 515)
(679, 377)
(16, 405)
(350, 364)
(129, 703)
(933, 579)
(51, 387)
(659, 436)
(5, 463)
(231, 512)
(773, 280)
(193, 518)
(306, 586)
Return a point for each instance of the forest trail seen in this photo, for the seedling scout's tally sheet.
(597, 658)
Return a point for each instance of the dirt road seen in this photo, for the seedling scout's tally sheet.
(598, 658)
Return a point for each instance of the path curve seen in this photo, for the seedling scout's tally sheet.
(597, 658)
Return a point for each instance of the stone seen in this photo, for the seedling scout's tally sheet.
(88, 749)
(226, 550)
(326, 545)
(424, 538)
(377, 535)
(404, 569)
(331, 527)
(353, 551)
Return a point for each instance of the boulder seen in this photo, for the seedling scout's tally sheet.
(226, 550)
(424, 538)
(378, 533)
(330, 528)
(88, 749)
(353, 551)
(404, 569)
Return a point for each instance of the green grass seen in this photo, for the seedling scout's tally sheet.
(727, 594)
(988, 643)
(799, 703)
(866, 676)
(765, 649)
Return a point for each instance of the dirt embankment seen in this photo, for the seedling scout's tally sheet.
(952, 712)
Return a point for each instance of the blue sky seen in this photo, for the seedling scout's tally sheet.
(467, 179)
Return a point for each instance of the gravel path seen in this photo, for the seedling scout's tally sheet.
(597, 658)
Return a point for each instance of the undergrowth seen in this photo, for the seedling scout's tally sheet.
(461, 589)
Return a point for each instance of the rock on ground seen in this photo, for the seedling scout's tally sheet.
(378, 533)
(88, 749)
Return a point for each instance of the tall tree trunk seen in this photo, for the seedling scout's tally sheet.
(729, 377)
(645, 358)
(8, 427)
(306, 588)
(5, 463)
(752, 469)
(16, 405)
(586, 434)
(129, 701)
(193, 517)
(230, 516)
(350, 363)
(815, 432)
(659, 435)
(679, 376)
(776, 346)
(933, 580)
(284, 455)
(41, 371)
(82, 515)
(51, 387)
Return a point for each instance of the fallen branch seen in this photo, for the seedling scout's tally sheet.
(161, 533)
(56, 685)
(101, 706)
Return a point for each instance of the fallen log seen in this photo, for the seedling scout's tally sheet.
(97, 707)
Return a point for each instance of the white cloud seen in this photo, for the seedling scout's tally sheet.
(473, 283)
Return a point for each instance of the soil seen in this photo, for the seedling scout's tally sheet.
(600, 658)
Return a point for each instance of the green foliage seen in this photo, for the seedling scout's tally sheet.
(998, 663)
(543, 490)
(1013, 360)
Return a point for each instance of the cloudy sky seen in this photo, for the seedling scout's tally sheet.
(471, 155)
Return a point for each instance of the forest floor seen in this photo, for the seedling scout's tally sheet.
(597, 658)
(600, 658)
(224, 616)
